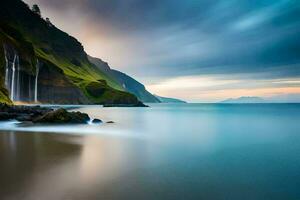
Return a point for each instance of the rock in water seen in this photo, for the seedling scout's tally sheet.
(96, 121)
(39, 114)
(138, 104)
(24, 118)
(62, 116)
(6, 116)
(21, 113)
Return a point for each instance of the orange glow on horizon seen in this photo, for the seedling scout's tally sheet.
(212, 89)
(218, 95)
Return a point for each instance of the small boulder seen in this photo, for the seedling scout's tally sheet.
(62, 116)
(5, 116)
(97, 121)
(24, 118)
(110, 122)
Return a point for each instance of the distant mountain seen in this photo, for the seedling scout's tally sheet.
(285, 98)
(169, 100)
(245, 100)
(128, 83)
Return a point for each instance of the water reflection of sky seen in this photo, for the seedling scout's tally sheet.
(162, 152)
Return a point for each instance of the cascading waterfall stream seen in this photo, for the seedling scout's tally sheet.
(18, 85)
(6, 68)
(21, 85)
(36, 82)
(12, 89)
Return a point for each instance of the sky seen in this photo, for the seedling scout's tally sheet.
(195, 50)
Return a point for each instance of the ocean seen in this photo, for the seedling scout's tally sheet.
(166, 151)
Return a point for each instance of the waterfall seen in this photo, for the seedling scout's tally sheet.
(12, 89)
(18, 82)
(18, 85)
(36, 82)
(6, 68)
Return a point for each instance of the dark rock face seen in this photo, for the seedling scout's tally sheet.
(63, 116)
(55, 88)
(47, 84)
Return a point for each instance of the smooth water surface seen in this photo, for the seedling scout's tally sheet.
(183, 151)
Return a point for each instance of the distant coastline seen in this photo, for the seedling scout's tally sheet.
(245, 100)
(169, 100)
(254, 99)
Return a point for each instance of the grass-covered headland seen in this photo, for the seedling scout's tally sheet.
(34, 39)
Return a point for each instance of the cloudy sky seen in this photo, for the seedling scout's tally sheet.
(197, 50)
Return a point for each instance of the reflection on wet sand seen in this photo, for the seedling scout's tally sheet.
(25, 157)
(55, 166)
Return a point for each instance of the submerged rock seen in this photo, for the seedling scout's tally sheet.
(138, 104)
(63, 116)
(97, 121)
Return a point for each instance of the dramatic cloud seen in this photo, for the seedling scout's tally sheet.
(164, 39)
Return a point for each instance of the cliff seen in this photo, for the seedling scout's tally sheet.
(128, 83)
(40, 63)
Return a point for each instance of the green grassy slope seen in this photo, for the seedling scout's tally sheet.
(3, 92)
(35, 38)
(129, 84)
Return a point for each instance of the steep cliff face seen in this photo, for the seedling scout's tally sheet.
(134, 87)
(128, 83)
(18, 81)
(59, 88)
(4, 95)
(40, 63)
(44, 83)
(17, 71)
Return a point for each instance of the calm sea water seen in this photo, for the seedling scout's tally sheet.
(188, 151)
